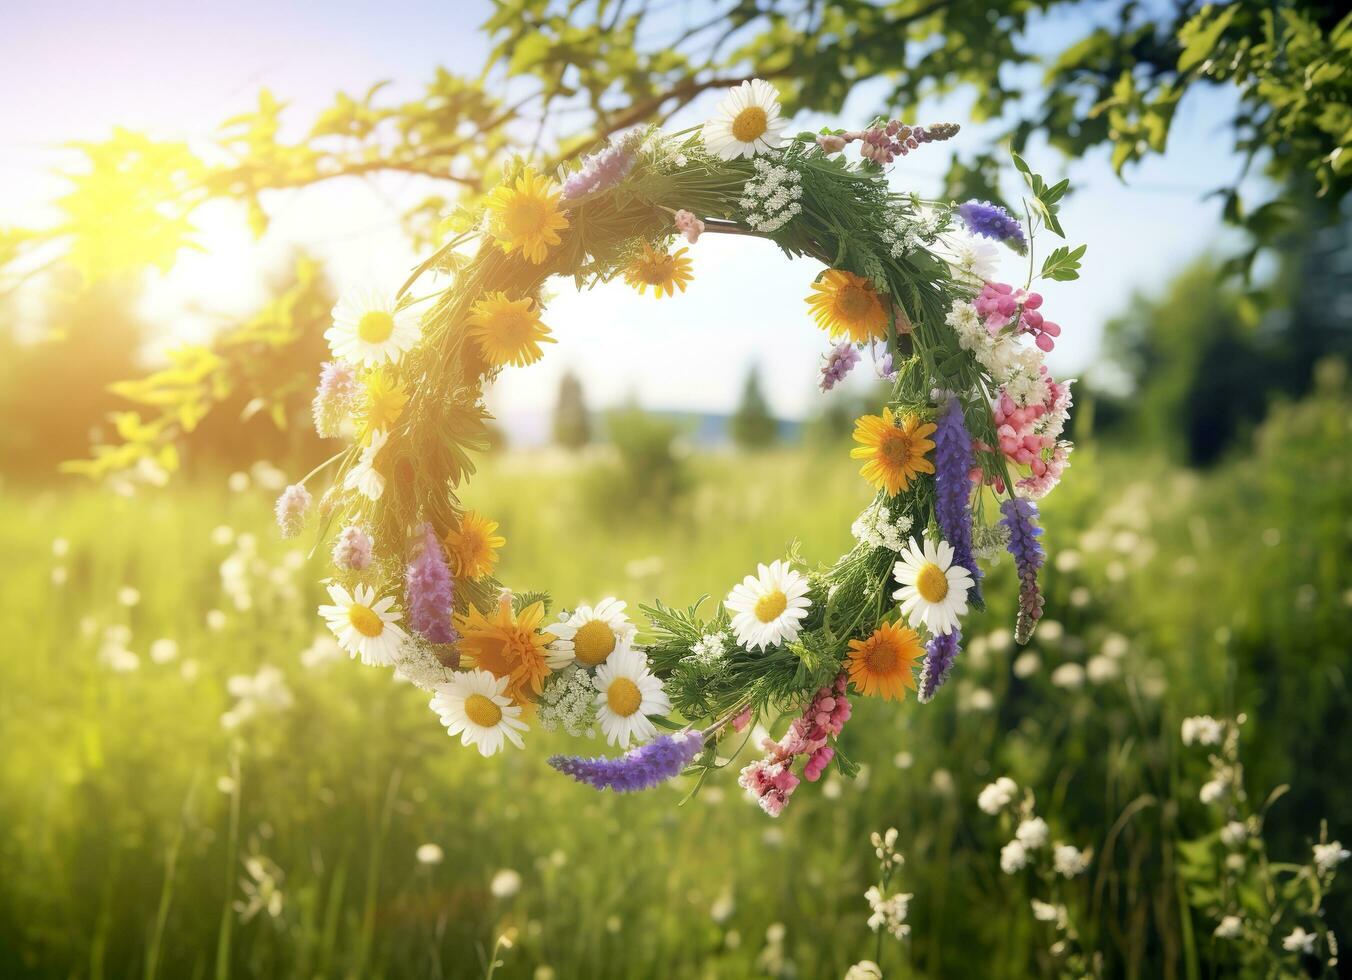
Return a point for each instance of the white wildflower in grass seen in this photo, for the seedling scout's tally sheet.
(262, 693)
(864, 970)
(888, 912)
(1234, 833)
(1069, 861)
(237, 482)
(1013, 857)
(1115, 645)
(1032, 833)
(223, 535)
(771, 199)
(262, 888)
(1202, 730)
(723, 907)
(568, 702)
(1027, 664)
(1328, 856)
(215, 620)
(1069, 676)
(505, 884)
(128, 596)
(1213, 791)
(1101, 669)
(430, 854)
(1230, 927)
(60, 576)
(163, 650)
(1046, 911)
(768, 607)
(997, 795)
(1300, 941)
(323, 650)
(60, 547)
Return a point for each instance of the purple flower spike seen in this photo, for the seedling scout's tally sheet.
(837, 363)
(430, 592)
(641, 768)
(953, 490)
(1020, 518)
(600, 171)
(940, 653)
(992, 221)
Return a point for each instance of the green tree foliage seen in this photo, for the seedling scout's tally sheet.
(649, 473)
(753, 426)
(572, 426)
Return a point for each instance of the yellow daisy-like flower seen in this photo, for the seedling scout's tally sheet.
(844, 304)
(525, 216)
(884, 663)
(386, 397)
(508, 331)
(509, 645)
(472, 548)
(894, 447)
(666, 272)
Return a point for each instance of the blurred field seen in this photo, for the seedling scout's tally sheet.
(159, 820)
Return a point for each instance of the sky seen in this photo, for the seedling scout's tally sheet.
(73, 70)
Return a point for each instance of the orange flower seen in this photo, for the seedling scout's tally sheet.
(894, 448)
(846, 305)
(473, 546)
(509, 645)
(884, 663)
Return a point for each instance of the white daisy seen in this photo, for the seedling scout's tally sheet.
(629, 693)
(363, 477)
(364, 626)
(745, 123)
(933, 589)
(368, 329)
(768, 606)
(590, 634)
(472, 705)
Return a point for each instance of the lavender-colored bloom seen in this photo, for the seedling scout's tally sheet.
(992, 221)
(1020, 518)
(837, 363)
(886, 367)
(352, 549)
(334, 398)
(291, 507)
(641, 768)
(940, 653)
(600, 171)
(430, 592)
(953, 490)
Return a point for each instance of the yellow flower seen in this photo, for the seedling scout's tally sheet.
(386, 397)
(884, 663)
(473, 546)
(844, 304)
(664, 271)
(508, 645)
(525, 216)
(508, 331)
(894, 447)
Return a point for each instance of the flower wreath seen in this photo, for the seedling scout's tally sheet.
(907, 281)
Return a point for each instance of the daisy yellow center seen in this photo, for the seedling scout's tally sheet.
(881, 658)
(623, 697)
(931, 583)
(593, 642)
(656, 269)
(771, 606)
(365, 620)
(895, 447)
(524, 217)
(750, 124)
(375, 327)
(853, 302)
(482, 710)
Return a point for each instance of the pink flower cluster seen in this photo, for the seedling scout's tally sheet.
(884, 143)
(1027, 436)
(689, 226)
(1001, 305)
(771, 779)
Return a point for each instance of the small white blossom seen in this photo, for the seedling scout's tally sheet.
(1033, 833)
(505, 883)
(1300, 941)
(1329, 856)
(1069, 861)
(889, 912)
(1202, 730)
(864, 970)
(1212, 791)
(1231, 927)
(1013, 857)
(1047, 912)
(1069, 676)
(877, 530)
(771, 198)
(997, 795)
(569, 702)
(430, 854)
(1234, 833)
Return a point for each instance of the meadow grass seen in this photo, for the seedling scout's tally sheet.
(142, 836)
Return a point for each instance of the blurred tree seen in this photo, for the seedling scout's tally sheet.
(753, 426)
(572, 427)
(650, 474)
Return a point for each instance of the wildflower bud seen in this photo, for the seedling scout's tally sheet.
(831, 143)
(291, 507)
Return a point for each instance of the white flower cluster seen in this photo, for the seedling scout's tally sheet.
(255, 694)
(997, 795)
(569, 702)
(417, 663)
(1014, 366)
(771, 198)
(972, 259)
(875, 528)
(1202, 730)
(709, 649)
(889, 912)
(1329, 856)
(1032, 834)
(908, 232)
(989, 541)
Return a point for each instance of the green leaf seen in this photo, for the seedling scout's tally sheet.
(1200, 38)
(1063, 264)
